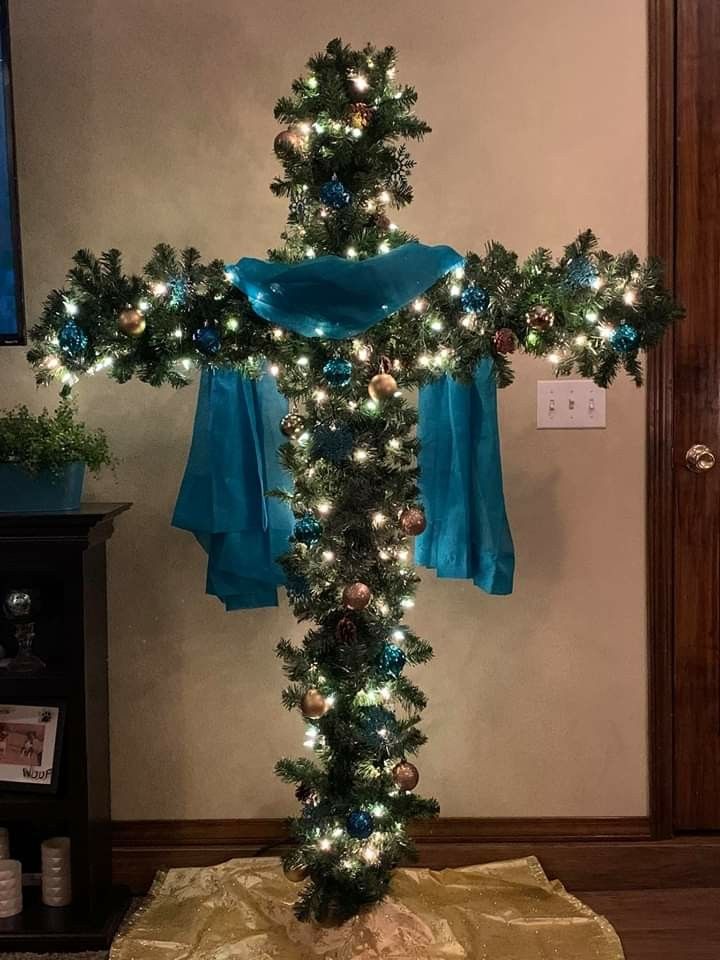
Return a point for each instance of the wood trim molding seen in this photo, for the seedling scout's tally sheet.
(660, 477)
(587, 854)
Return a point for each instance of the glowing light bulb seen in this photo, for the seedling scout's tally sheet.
(232, 324)
(360, 82)
(356, 132)
(351, 253)
(371, 405)
(51, 363)
(379, 811)
(605, 331)
(468, 321)
(325, 844)
(384, 247)
(379, 519)
(143, 306)
(455, 290)
(554, 358)
(629, 297)
(312, 82)
(309, 253)
(403, 554)
(71, 308)
(277, 333)
(394, 443)
(419, 305)
(302, 361)
(318, 127)
(597, 283)
(385, 693)
(436, 325)
(393, 228)
(459, 273)
(360, 455)
(370, 854)
(424, 360)
(390, 72)
(177, 333)
(398, 635)
(592, 316)
(328, 556)
(274, 369)
(382, 733)
(407, 602)
(581, 340)
(320, 396)
(159, 289)
(324, 507)
(384, 197)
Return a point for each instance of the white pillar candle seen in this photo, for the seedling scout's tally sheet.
(56, 878)
(11, 902)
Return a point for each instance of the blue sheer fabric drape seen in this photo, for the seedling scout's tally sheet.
(233, 458)
(232, 464)
(467, 534)
(336, 298)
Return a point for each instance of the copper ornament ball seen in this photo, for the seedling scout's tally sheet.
(313, 704)
(413, 521)
(296, 874)
(382, 386)
(405, 775)
(292, 425)
(131, 321)
(356, 596)
(288, 141)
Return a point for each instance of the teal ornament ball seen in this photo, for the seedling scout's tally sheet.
(580, 272)
(624, 339)
(337, 372)
(179, 289)
(360, 824)
(331, 441)
(474, 299)
(207, 340)
(392, 660)
(307, 530)
(73, 341)
(334, 195)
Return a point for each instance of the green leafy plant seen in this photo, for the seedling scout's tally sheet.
(50, 441)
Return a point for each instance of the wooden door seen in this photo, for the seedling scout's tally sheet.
(689, 236)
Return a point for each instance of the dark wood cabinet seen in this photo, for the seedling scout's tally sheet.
(60, 559)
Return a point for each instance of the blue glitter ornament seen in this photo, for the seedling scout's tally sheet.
(360, 824)
(392, 660)
(307, 530)
(331, 441)
(474, 299)
(580, 272)
(373, 720)
(337, 372)
(207, 340)
(334, 195)
(73, 341)
(624, 338)
(178, 287)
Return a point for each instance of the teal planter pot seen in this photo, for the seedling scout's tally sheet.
(43, 492)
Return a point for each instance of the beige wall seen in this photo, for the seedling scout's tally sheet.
(148, 120)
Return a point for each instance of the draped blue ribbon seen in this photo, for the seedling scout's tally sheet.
(233, 456)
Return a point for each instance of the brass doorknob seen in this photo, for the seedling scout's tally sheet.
(699, 458)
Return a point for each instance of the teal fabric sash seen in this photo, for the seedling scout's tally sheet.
(233, 456)
(467, 534)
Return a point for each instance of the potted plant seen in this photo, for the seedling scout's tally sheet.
(43, 459)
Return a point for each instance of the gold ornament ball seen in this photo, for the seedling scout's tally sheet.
(356, 596)
(287, 141)
(382, 386)
(292, 425)
(413, 521)
(405, 775)
(132, 322)
(296, 874)
(313, 704)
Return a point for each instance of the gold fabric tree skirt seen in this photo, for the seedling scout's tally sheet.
(242, 910)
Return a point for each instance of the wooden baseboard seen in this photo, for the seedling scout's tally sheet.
(585, 853)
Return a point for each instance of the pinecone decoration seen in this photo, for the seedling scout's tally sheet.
(505, 340)
(360, 115)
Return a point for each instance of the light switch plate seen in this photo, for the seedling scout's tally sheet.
(570, 404)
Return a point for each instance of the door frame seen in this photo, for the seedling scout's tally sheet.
(662, 50)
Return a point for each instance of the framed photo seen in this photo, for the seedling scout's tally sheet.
(30, 744)
(12, 310)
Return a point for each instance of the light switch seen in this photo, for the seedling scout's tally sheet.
(570, 404)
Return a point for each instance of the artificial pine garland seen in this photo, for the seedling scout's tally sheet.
(351, 447)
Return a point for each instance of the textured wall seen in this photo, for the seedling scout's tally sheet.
(151, 120)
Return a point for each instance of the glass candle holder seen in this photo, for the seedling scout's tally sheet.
(11, 902)
(56, 877)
